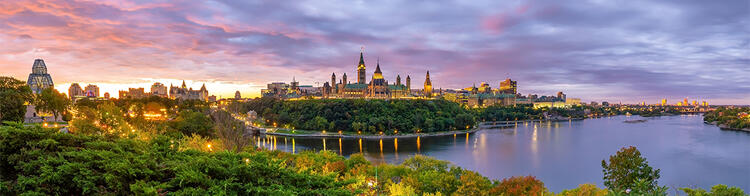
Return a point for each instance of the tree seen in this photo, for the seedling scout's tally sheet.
(716, 190)
(52, 101)
(230, 131)
(13, 95)
(626, 168)
(519, 185)
(191, 122)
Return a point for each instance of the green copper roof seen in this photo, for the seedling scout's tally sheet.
(356, 86)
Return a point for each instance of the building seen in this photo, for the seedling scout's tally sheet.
(74, 91)
(133, 93)
(509, 86)
(561, 96)
(427, 85)
(185, 93)
(106, 95)
(159, 89)
(663, 102)
(39, 79)
(378, 87)
(237, 95)
(92, 90)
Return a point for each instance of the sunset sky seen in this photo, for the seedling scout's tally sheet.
(597, 50)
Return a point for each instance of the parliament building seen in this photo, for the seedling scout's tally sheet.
(378, 87)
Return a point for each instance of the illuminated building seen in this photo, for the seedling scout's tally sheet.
(133, 93)
(663, 102)
(106, 95)
(159, 89)
(695, 102)
(686, 103)
(185, 93)
(561, 96)
(705, 104)
(92, 90)
(378, 87)
(361, 73)
(237, 95)
(74, 91)
(427, 85)
(39, 79)
(509, 86)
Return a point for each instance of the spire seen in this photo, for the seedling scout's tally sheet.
(294, 79)
(203, 88)
(361, 58)
(183, 84)
(377, 68)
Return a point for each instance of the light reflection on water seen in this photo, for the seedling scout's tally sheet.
(567, 153)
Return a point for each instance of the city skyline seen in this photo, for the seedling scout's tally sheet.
(591, 50)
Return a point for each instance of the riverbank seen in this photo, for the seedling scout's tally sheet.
(346, 135)
(726, 127)
(483, 125)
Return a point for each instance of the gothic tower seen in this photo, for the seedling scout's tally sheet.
(333, 83)
(344, 78)
(408, 83)
(361, 79)
(428, 85)
(398, 80)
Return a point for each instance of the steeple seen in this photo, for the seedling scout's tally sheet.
(361, 73)
(183, 84)
(378, 74)
(398, 80)
(203, 88)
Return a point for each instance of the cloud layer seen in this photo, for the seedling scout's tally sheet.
(598, 50)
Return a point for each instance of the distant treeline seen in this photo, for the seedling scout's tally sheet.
(373, 116)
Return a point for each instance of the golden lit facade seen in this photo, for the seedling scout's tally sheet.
(378, 87)
(427, 85)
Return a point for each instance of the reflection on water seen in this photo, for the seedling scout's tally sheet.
(565, 154)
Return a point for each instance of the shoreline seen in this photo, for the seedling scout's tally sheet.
(480, 126)
(725, 127)
(411, 135)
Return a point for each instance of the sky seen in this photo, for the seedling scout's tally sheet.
(596, 50)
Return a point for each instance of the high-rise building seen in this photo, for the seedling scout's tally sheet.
(92, 90)
(133, 93)
(39, 79)
(427, 85)
(508, 86)
(75, 90)
(159, 89)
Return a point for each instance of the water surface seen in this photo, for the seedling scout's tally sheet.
(565, 154)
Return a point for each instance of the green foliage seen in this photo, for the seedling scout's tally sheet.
(716, 190)
(52, 101)
(584, 190)
(628, 170)
(520, 185)
(729, 117)
(371, 116)
(39, 161)
(13, 95)
(191, 122)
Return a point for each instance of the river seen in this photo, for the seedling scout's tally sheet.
(565, 154)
